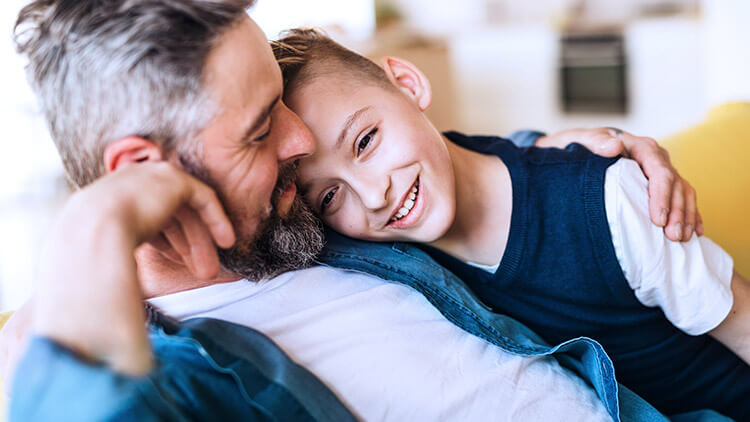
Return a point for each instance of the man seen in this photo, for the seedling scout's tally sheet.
(138, 94)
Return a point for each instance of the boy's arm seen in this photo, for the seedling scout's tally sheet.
(690, 281)
(734, 331)
(672, 201)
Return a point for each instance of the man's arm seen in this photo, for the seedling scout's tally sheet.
(88, 268)
(672, 200)
(734, 331)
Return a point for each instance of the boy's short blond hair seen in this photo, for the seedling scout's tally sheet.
(306, 53)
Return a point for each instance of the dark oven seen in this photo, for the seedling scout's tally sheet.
(593, 73)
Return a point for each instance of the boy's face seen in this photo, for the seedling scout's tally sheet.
(381, 171)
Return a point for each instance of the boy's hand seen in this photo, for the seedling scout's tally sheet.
(672, 200)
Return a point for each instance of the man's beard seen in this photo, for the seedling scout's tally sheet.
(279, 244)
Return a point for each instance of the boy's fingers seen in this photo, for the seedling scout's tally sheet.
(200, 244)
(698, 223)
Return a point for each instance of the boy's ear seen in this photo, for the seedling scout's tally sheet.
(409, 79)
(131, 149)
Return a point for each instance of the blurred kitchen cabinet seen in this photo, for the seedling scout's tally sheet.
(509, 77)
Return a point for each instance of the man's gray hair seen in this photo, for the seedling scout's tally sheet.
(106, 69)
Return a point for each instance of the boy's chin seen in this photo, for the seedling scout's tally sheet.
(419, 235)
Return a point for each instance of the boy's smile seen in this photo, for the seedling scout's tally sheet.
(409, 210)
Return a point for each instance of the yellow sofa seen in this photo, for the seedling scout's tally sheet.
(714, 156)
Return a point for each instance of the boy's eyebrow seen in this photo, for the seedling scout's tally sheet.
(348, 125)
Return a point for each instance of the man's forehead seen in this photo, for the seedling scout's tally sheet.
(242, 54)
(241, 74)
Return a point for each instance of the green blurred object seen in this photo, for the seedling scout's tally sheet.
(386, 14)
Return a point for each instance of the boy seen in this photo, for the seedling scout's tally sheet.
(560, 239)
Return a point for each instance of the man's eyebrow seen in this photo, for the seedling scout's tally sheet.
(348, 125)
(258, 122)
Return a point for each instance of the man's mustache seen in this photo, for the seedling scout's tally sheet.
(287, 175)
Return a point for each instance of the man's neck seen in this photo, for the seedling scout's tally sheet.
(159, 276)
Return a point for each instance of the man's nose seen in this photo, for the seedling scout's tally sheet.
(296, 140)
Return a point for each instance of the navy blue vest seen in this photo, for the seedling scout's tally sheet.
(560, 276)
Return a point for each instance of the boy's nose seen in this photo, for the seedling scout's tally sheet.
(373, 191)
(297, 140)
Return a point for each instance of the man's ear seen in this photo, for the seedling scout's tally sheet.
(131, 149)
(409, 79)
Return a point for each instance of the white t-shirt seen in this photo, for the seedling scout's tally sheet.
(388, 353)
(690, 281)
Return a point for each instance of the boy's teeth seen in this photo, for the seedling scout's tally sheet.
(407, 205)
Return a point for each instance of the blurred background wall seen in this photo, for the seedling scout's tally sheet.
(653, 67)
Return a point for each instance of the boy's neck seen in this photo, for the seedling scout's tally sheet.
(484, 201)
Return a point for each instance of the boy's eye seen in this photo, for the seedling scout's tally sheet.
(365, 141)
(327, 199)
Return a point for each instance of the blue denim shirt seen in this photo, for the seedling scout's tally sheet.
(205, 369)
(208, 369)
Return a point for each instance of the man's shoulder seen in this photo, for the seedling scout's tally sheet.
(388, 260)
(245, 368)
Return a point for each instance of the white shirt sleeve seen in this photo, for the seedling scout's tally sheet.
(689, 281)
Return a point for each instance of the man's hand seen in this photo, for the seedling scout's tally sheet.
(88, 296)
(672, 201)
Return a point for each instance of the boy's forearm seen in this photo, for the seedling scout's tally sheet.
(734, 331)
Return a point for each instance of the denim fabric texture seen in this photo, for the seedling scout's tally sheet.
(205, 369)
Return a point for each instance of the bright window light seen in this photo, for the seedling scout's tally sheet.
(355, 17)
